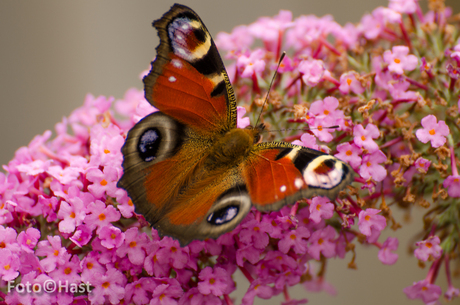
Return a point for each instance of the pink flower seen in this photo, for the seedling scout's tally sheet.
(111, 237)
(194, 297)
(172, 252)
(72, 215)
(349, 153)
(166, 294)
(294, 239)
(423, 290)
(312, 71)
(372, 26)
(386, 255)
(28, 239)
(153, 265)
(452, 183)
(260, 288)
(321, 208)
(370, 224)
(214, 281)
(364, 137)
(134, 245)
(111, 284)
(428, 249)
(54, 252)
(422, 164)
(255, 233)
(104, 181)
(247, 253)
(270, 29)
(327, 108)
(349, 82)
(398, 59)
(68, 272)
(254, 64)
(278, 261)
(101, 215)
(138, 291)
(433, 131)
(319, 127)
(307, 140)
(371, 168)
(451, 293)
(82, 235)
(9, 265)
(8, 239)
(287, 65)
(403, 6)
(238, 40)
(322, 242)
(106, 145)
(240, 121)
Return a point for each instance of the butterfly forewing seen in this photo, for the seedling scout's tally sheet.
(188, 80)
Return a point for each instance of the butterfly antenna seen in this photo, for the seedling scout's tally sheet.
(271, 83)
(306, 128)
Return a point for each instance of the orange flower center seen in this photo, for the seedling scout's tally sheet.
(397, 60)
(432, 132)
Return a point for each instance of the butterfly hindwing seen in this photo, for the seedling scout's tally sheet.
(188, 80)
(279, 173)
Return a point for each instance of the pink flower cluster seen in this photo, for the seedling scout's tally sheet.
(384, 96)
(64, 219)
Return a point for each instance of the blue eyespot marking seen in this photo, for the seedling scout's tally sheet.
(223, 215)
(148, 145)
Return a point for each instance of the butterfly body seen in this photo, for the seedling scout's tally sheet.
(187, 168)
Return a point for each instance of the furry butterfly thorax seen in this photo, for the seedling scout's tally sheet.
(187, 168)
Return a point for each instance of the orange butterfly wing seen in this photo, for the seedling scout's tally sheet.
(188, 80)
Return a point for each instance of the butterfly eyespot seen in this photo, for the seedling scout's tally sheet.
(200, 35)
(223, 215)
(149, 142)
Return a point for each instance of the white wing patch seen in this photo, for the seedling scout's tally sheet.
(315, 174)
(180, 31)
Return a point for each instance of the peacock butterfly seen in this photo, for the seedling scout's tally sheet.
(187, 168)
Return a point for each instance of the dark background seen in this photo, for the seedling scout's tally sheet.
(54, 52)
